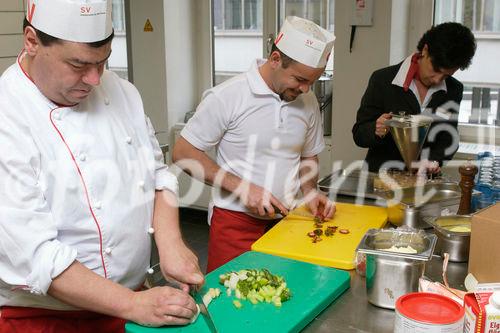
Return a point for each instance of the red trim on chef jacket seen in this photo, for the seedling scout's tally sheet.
(84, 188)
(76, 165)
(231, 234)
(15, 319)
(29, 77)
(412, 72)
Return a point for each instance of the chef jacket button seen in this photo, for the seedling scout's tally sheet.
(98, 205)
(151, 231)
(141, 184)
(128, 139)
(150, 270)
(106, 100)
(107, 250)
(82, 157)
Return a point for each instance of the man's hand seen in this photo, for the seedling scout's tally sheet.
(177, 261)
(260, 201)
(161, 306)
(84, 289)
(426, 166)
(320, 205)
(380, 128)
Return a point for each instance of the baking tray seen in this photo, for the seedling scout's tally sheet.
(375, 241)
(426, 194)
(356, 183)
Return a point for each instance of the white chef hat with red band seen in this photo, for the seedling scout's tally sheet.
(304, 41)
(83, 21)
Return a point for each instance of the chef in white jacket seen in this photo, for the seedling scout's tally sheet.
(83, 186)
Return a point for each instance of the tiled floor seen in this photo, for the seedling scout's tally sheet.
(195, 231)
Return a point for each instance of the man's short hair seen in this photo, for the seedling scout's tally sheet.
(285, 60)
(450, 45)
(48, 40)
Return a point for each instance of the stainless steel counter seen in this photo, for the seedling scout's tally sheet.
(351, 312)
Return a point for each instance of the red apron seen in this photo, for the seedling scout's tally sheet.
(35, 320)
(231, 234)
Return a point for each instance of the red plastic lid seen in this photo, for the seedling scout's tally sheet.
(430, 308)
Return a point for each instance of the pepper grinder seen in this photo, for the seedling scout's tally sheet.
(467, 173)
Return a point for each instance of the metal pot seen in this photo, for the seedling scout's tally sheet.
(410, 206)
(390, 275)
(388, 278)
(455, 243)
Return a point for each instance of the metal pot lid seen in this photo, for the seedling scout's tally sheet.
(382, 242)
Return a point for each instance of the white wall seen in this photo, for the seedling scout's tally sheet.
(11, 31)
(147, 67)
(171, 65)
(399, 31)
(371, 50)
(180, 57)
(202, 27)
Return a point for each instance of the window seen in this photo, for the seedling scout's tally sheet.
(319, 11)
(117, 62)
(237, 36)
(481, 87)
(238, 30)
(238, 15)
(118, 15)
(478, 15)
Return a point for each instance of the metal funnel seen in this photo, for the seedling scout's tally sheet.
(409, 133)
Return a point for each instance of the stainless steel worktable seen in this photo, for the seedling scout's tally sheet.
(351, 312)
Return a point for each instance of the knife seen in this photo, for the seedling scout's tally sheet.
(203, 310)
(193, 291)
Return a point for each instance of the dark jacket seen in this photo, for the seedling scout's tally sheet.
(381, 96)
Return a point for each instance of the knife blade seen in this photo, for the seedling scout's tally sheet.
(204, 311)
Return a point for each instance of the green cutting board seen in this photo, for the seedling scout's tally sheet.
(313, 288)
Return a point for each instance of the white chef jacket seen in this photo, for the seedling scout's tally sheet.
(259, 137)
(76, 183)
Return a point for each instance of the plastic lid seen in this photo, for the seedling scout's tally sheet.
(429, 308)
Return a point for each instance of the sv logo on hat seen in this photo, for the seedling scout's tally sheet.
(85, 10)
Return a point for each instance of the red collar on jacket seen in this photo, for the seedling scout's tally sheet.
(412, 72)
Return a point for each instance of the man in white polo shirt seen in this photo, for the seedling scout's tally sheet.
(267, 127)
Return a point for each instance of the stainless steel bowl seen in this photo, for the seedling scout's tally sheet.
(410, 206)
(390, 275)
(450, 239)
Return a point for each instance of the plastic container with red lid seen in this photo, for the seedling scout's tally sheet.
(427, 312)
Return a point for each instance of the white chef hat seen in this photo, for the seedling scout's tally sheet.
(305, 41)
(83, 21)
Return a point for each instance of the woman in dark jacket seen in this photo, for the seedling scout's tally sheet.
(422, 83)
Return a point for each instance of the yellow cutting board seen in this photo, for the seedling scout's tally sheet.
(289, 237)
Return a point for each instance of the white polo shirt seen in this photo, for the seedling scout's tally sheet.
(259, 137)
